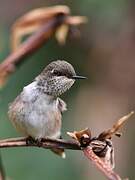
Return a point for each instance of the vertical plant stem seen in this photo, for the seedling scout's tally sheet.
(102, 166)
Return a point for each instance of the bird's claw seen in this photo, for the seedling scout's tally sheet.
(31, 141)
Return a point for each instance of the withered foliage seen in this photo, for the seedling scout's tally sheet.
(41, 24)
(101, 146)
(98, 149)
(36, 18)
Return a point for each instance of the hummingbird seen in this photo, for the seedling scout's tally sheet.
(37, 110)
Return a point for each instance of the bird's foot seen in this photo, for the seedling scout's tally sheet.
(31, 141)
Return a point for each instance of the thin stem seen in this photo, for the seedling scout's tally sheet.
(46, 143)
(60, 143)
(102, 166)
(2, 172)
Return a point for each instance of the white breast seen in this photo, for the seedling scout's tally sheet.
(39, 115)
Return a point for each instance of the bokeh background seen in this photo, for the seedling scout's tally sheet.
(105, 53)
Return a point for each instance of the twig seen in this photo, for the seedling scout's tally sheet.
(46, 143)
(102, 166)
(2, 172)
(95, 149)
(100, 149)
(58, 143)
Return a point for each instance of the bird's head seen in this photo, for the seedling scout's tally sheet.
(57, 78)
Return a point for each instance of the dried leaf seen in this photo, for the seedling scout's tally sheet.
(61, 34)
(83, 136)
(43, 22)
(76, 20)
(36, 18)
(109, 133)
(104, 150)
(32, 21)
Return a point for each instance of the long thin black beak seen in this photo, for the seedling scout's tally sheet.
(78, 77)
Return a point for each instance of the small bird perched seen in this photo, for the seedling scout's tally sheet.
(37, 111)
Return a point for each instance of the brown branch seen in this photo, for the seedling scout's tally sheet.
(95, 149)
(46, 143)
(34, 42)
(58, 143)
(44, 22)
(102, 166)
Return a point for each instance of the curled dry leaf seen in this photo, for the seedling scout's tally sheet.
(44, 22)
(71, 23)
(83, 136)
(100, 164)
(101, 145)
(62, 33)
(76, 20)
(32, 21)
(103, 149)
(113, 131)
(36, 18)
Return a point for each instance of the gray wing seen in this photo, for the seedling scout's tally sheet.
(62, 105)
(16, 113)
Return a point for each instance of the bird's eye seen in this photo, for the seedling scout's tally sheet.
(55, 72)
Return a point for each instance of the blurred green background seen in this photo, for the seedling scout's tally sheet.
(105, 53)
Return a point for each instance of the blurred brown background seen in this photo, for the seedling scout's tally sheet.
(105, 53)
